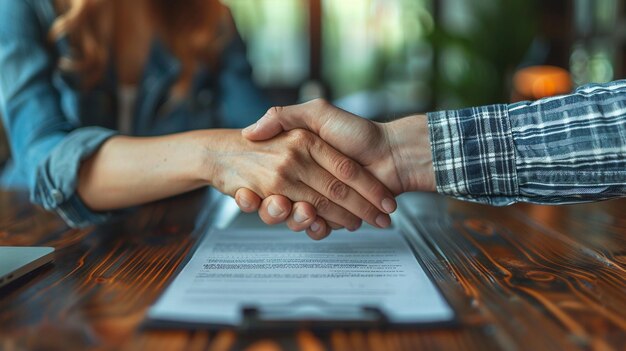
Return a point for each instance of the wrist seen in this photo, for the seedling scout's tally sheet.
(213, 155)
(204, 167)
(411, 152)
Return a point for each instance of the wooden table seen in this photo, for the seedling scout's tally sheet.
(521, 277)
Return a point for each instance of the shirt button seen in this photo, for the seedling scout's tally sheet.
(57, 196)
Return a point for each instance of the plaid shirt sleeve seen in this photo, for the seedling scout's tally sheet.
(563, 149)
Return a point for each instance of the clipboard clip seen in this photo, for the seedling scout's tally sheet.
(310, 313)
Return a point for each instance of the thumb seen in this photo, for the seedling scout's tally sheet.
(265, 128)
(309, 116)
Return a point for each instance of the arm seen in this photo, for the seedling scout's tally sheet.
(45, 145)
(397, 153)
(563, 149)
(66, 164)
(126, 171)
(557, 150)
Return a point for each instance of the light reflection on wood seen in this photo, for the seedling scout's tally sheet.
(521, 277)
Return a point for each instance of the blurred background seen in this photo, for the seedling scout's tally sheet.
(384, 59)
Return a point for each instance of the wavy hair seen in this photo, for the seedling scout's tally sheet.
(194, 30)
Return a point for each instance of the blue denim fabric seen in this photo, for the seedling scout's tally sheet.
(53, 125)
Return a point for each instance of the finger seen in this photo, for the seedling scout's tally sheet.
(311, 115)
(318, 229)
(303, 214)
(334, 226)
(325, 208)
(275, 209)
(247, 200)
(331, 124)
(357, 181)
(355, 176)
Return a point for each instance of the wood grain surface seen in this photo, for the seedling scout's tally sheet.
(523, 277)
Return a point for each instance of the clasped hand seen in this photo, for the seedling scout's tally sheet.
(336, 168)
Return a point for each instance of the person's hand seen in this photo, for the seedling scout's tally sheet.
(300, 167)
(397, 153)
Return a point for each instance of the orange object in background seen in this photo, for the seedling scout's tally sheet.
(536, 82)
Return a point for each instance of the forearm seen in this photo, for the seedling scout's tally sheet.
(562, 149)
(474, 155)
(128, 171)
(571, 148)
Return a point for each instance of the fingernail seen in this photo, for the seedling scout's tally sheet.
(383, 220)
(315, 226)
(250, 128)
(354, 227)
(300, 217)
(274, 209)
(389, 205)
(244, 203)
(256, 126)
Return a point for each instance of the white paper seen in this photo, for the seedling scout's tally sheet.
(236, 268)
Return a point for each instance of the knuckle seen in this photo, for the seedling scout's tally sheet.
(289, 156)
(337, 189)
(290, 165)
(346, 167)
(321, 203)
(370, 212)
(277, 182)
(377, 190)
(274, 111)
(300, 134)
(279, 171)
(286, 159)
(300, 139)
(320, 102)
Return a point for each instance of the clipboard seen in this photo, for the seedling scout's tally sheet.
(277, 317)
(270, 319)
(281, 317)
(322, 314)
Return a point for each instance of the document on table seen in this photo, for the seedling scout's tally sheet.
(233, 269)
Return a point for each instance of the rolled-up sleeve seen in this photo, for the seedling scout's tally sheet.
(564, 149)
(56, 177)
(473, 154)
(45, 145)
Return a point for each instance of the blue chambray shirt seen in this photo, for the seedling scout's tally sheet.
(53, 125)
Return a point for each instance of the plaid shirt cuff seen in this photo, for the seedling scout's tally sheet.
(474, 155)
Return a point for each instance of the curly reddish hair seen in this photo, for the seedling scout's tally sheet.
(194, 30)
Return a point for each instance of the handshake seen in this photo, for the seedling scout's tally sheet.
(348, 168)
